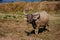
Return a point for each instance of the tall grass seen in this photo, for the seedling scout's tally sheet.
(20, 6)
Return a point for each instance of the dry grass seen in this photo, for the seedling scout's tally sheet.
(13, 28)
(13, 25)
(16, 6)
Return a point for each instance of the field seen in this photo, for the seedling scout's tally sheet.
(34, 6)
(14, 27)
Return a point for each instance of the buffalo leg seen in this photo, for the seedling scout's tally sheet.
(44, 26)
(36, 30)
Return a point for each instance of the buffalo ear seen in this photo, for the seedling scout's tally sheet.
(36, 16)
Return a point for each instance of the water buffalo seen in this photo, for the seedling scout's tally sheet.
(38, 19)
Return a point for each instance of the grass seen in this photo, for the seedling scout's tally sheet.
(13, 25)
(16, 25)
(16, 6)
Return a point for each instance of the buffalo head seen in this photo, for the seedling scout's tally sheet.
(32, 17)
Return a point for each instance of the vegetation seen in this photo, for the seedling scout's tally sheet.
(16, 6)
(13, 25)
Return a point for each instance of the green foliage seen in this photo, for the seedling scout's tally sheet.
(6, 16)
(14, 16)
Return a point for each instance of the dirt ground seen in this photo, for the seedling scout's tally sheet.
(18, 29)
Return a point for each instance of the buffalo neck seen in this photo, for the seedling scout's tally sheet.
(34, 24)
